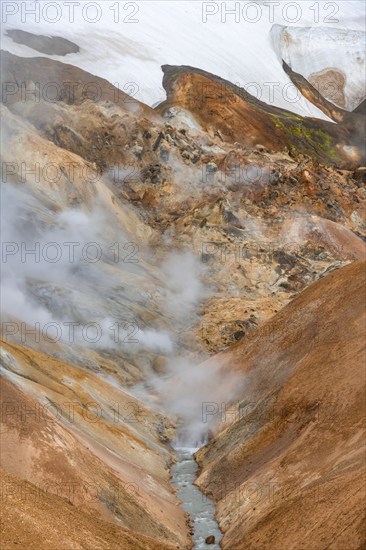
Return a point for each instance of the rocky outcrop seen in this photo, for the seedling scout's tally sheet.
(230, 111)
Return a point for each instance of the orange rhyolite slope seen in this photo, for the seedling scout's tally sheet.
(287, 470)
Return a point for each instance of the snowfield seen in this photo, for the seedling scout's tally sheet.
(309, 51)
(127, 42)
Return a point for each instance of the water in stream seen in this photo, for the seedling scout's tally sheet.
(199, 507)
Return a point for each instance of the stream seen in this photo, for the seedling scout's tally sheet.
(200, 508)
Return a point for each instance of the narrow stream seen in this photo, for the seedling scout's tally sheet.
(200, 508)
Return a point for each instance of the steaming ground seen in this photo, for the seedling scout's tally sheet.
(57, 292)
(169, 267)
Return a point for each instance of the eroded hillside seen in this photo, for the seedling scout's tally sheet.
(287, 465)
(213, 214)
